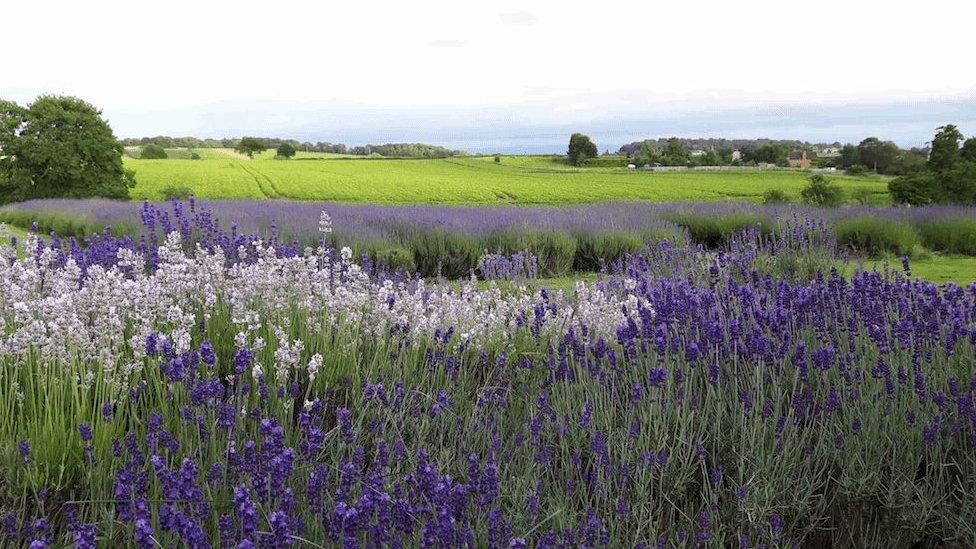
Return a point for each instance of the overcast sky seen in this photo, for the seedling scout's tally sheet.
(516, 70)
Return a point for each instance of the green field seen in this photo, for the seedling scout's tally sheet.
(220, 173)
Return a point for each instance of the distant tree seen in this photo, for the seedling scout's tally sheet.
(771, 153)
(648, 153)
(945, 148)
(250, 145)
(498, 159)
(949, 176)
(675, 153)
(907, 162)
(59, 146)
(877, 155)
(286, 150)
(580, 149)
(153, 152)
(711, 158)
(821, 192)
(849, 156)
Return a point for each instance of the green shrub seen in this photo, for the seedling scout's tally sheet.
(949, 234)
(451, 255)
(153, 152)
(858, 169)
(176, 192)
(876, 236)
(555, 251)
(596, 250)
(862, 196)
(653, 237)
(390, 256)
(65, 225)
(821, 192)
(775, 196)
(712, 231)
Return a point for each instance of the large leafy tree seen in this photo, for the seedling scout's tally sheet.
(968, 151)
(949, 176)
(580, 149)
(59, 146)
(945, 148)
(877, 154)
(675, 153)
(250, 145)
(286, 150)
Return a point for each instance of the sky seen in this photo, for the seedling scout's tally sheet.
(507, 76)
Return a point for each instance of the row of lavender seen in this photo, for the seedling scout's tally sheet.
(450, 241)
(210, 390)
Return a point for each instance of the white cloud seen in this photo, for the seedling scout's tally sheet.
(519, 18)
(637, 58)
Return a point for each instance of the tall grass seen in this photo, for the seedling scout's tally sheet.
(712, 231)
(955, 234)
(876, 236)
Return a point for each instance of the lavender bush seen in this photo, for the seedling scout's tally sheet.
(212, 390)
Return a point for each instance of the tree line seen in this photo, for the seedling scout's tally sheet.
(948, 175)
(401, 150)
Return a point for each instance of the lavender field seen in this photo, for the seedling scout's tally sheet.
(192, 385)
(450, 240)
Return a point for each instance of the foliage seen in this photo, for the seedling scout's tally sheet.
(775, 196)
(877, 155)
(770, 153)
(949, 234)
(405, 150)
(949, 177)
(688, 397)
(874, 236)
(250, 145)
(153, 152)
(59, 146)
(822, 192)
(597, 251)
(176, 192)
(713, 231)
(286, 150)
(580, 149)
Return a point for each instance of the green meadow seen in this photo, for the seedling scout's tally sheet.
(221, 173)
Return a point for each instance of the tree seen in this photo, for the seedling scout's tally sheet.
(770, 153)
(945, 148)
(949, 176)
(250, 145)
(580, 149)
(153, 152)
(877, 155)
(968, 151)
(821, 192)
(286, 150)
(59, 146)
(675, 153)
(849, 156)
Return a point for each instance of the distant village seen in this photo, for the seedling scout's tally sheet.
(675, 153)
